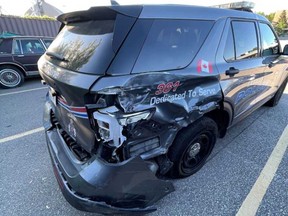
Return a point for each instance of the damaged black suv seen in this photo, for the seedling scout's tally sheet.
(137, 93)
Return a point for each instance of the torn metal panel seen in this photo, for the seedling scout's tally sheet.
(127, 187)
(109, 127)
(176, 101)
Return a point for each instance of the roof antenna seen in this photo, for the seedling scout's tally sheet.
(113, 2)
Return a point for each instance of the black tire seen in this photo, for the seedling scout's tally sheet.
(192, 147)
(10, 77)
(276, 98)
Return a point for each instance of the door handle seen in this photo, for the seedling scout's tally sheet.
(20, 55)
(232, 71)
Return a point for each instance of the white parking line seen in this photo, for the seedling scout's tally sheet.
(17, 136)
(18, 92)
(253, 200)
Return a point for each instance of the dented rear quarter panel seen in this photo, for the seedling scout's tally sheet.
(179, 96)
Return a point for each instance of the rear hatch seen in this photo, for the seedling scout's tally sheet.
(77, 58)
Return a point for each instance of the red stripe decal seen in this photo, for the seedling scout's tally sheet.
(78, 109)
(62, 100)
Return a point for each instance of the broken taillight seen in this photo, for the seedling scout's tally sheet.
(131, 118)
(111, 121)
(104, 130)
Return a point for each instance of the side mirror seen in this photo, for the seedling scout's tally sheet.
(267, 52)
(285, 50)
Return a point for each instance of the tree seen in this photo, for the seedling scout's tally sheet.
(282, 23)
(261, 13)
(270, 17)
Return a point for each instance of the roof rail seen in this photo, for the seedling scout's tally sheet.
(243, 6)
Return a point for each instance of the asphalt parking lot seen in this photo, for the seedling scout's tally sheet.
(242, 166)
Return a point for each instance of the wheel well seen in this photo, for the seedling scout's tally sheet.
(222, 119)
(16, 66)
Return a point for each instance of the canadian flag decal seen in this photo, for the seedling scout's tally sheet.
(204, 66)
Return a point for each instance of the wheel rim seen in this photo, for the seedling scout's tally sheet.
(9, 77)
(196, 153)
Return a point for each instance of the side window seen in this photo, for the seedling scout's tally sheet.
(47, 42)
(229, 52)
(270, 43)
(16, 47)
(5, 46)
(245, 37)
(171, 44)
(32, 46)
(241, 41)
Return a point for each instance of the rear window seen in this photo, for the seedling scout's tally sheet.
(171, 44)
(86, 46)
(5, 46)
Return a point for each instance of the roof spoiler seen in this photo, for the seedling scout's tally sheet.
(100, 13)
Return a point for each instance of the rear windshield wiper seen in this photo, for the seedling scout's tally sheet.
(56, 56)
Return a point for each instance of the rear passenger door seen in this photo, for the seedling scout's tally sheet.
(27, 52)
(240, 65)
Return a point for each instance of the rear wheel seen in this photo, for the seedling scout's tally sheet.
(10, 77)
(276, 98)
(192, 147)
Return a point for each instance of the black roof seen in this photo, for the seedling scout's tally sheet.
(160, 12)
(193, 12)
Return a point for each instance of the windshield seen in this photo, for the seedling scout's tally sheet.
(85, 46)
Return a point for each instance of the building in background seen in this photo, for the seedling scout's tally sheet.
(39, 20)
(28, 27)
(42, 8)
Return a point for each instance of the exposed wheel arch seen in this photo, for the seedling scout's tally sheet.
(191, 147)
(223, 119)
(20, 68)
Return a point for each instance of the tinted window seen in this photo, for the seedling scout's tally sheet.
(229, 52)
(87, 46)
(16, 48)
(269, 41)
(32, 46)
(47, 42)
(5, 46)
(171, 44)
(245, 36)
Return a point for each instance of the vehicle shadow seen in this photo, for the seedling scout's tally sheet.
(241, 127)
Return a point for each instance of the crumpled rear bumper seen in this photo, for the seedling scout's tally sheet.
(98, 186)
